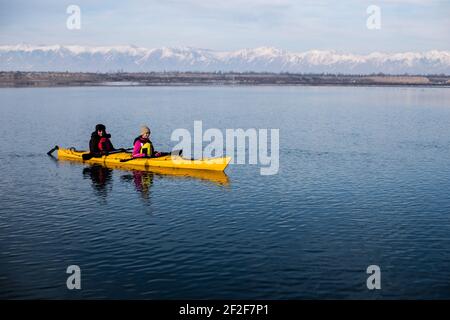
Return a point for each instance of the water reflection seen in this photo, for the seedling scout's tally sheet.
(142, 182)
(101, 178)
(97, 174)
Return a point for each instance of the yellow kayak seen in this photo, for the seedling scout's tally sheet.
(170, 161)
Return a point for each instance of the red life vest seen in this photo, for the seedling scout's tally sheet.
(104, 144)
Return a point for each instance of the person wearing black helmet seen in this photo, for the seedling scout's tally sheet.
(100, 142)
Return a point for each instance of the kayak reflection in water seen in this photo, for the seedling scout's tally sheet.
(142, 182)
(100, 177)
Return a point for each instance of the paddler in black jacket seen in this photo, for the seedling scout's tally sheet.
(100, 142)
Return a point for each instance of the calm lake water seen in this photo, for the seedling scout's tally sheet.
(364, 179)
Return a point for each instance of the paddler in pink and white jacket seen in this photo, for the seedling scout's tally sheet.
(143, 147)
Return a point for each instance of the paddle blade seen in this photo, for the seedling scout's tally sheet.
(52, 150)
(178, 152)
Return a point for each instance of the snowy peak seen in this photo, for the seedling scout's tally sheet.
(24, 57)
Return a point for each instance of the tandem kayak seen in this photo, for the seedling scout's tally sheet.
(170, 161)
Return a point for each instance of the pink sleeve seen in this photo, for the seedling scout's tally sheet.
(137, 149)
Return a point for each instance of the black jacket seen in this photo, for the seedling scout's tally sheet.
(95, 139)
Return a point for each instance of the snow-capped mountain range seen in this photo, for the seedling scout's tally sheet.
(264, 59)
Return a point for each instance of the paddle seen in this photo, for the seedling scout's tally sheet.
(52, 150)
(173, 153)
(88, 156)
(126, 160)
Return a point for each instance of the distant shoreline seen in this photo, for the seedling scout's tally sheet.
(74, 79)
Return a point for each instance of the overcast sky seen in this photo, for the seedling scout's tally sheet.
(406, 25)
